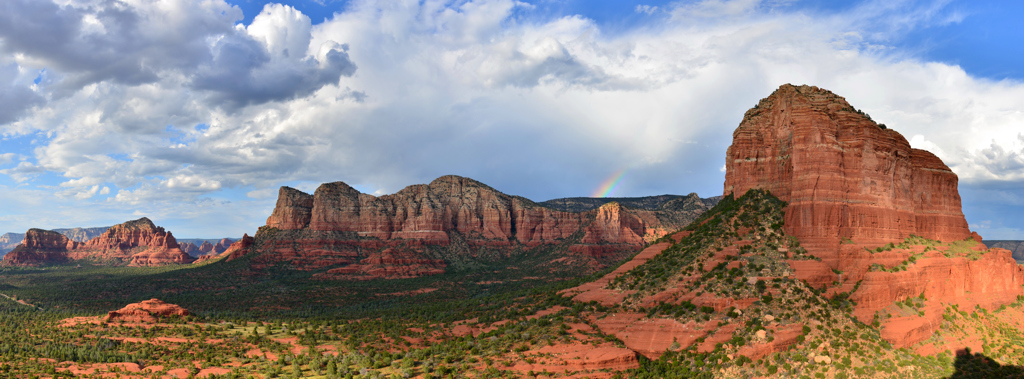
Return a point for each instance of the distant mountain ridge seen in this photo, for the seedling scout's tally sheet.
(650, 203)
(1015, 247)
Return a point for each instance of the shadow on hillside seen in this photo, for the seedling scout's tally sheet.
(976, 365)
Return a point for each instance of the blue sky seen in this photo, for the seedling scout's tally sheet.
(196, 119)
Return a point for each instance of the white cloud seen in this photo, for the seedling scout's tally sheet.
(87, 193)
(647, 9)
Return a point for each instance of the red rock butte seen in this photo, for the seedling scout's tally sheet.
(844, 176)
(146, 312)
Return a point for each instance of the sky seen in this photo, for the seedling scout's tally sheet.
(194, 112)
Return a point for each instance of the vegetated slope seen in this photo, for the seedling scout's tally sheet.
(538, 333)
(1015, 247)
(723, 298)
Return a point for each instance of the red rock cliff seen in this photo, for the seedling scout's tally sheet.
(40, 247)
(426, 213)
(338, 225)
(843, 175)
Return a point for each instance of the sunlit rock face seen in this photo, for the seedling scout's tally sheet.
(387, 236)
(844, 176)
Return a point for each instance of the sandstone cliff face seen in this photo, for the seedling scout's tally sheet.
(338, 225)
(136, 243)
(991, 280)
(238, 248)
(852, 184)
(843, 175)
(39, 247)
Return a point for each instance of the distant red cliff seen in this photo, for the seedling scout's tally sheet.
(372, 236)
(135, 243)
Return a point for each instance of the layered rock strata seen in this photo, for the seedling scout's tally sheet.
(135, 243)
(338, 225)
(845, 177)
(852, 186)
(39, 247)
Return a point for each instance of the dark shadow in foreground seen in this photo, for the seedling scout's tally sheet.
(976, 365)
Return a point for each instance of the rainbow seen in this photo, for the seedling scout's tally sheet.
(608, 185)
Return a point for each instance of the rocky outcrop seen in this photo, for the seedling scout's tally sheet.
(387, 264)
(40, 247)
(843, 175)
(189, 248)
(339, 226)
(9, 241)
(206, 249)
(136, 243)
(990, 280)
(238, 248)
(293, 211)
(148, 311)
(222, 245)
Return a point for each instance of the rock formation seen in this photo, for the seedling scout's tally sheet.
(843, 175)
(878, 230)
(853, 185)
(372, 236)
(205, 248)
(136, 243)
(222, 245)
(147, 311)
(238, 248)
(39, 247)
(9, 241)
(189, 248)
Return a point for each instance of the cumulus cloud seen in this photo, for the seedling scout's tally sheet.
(268, 61)
(141, 42)
(179, 106)
(6, 158)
